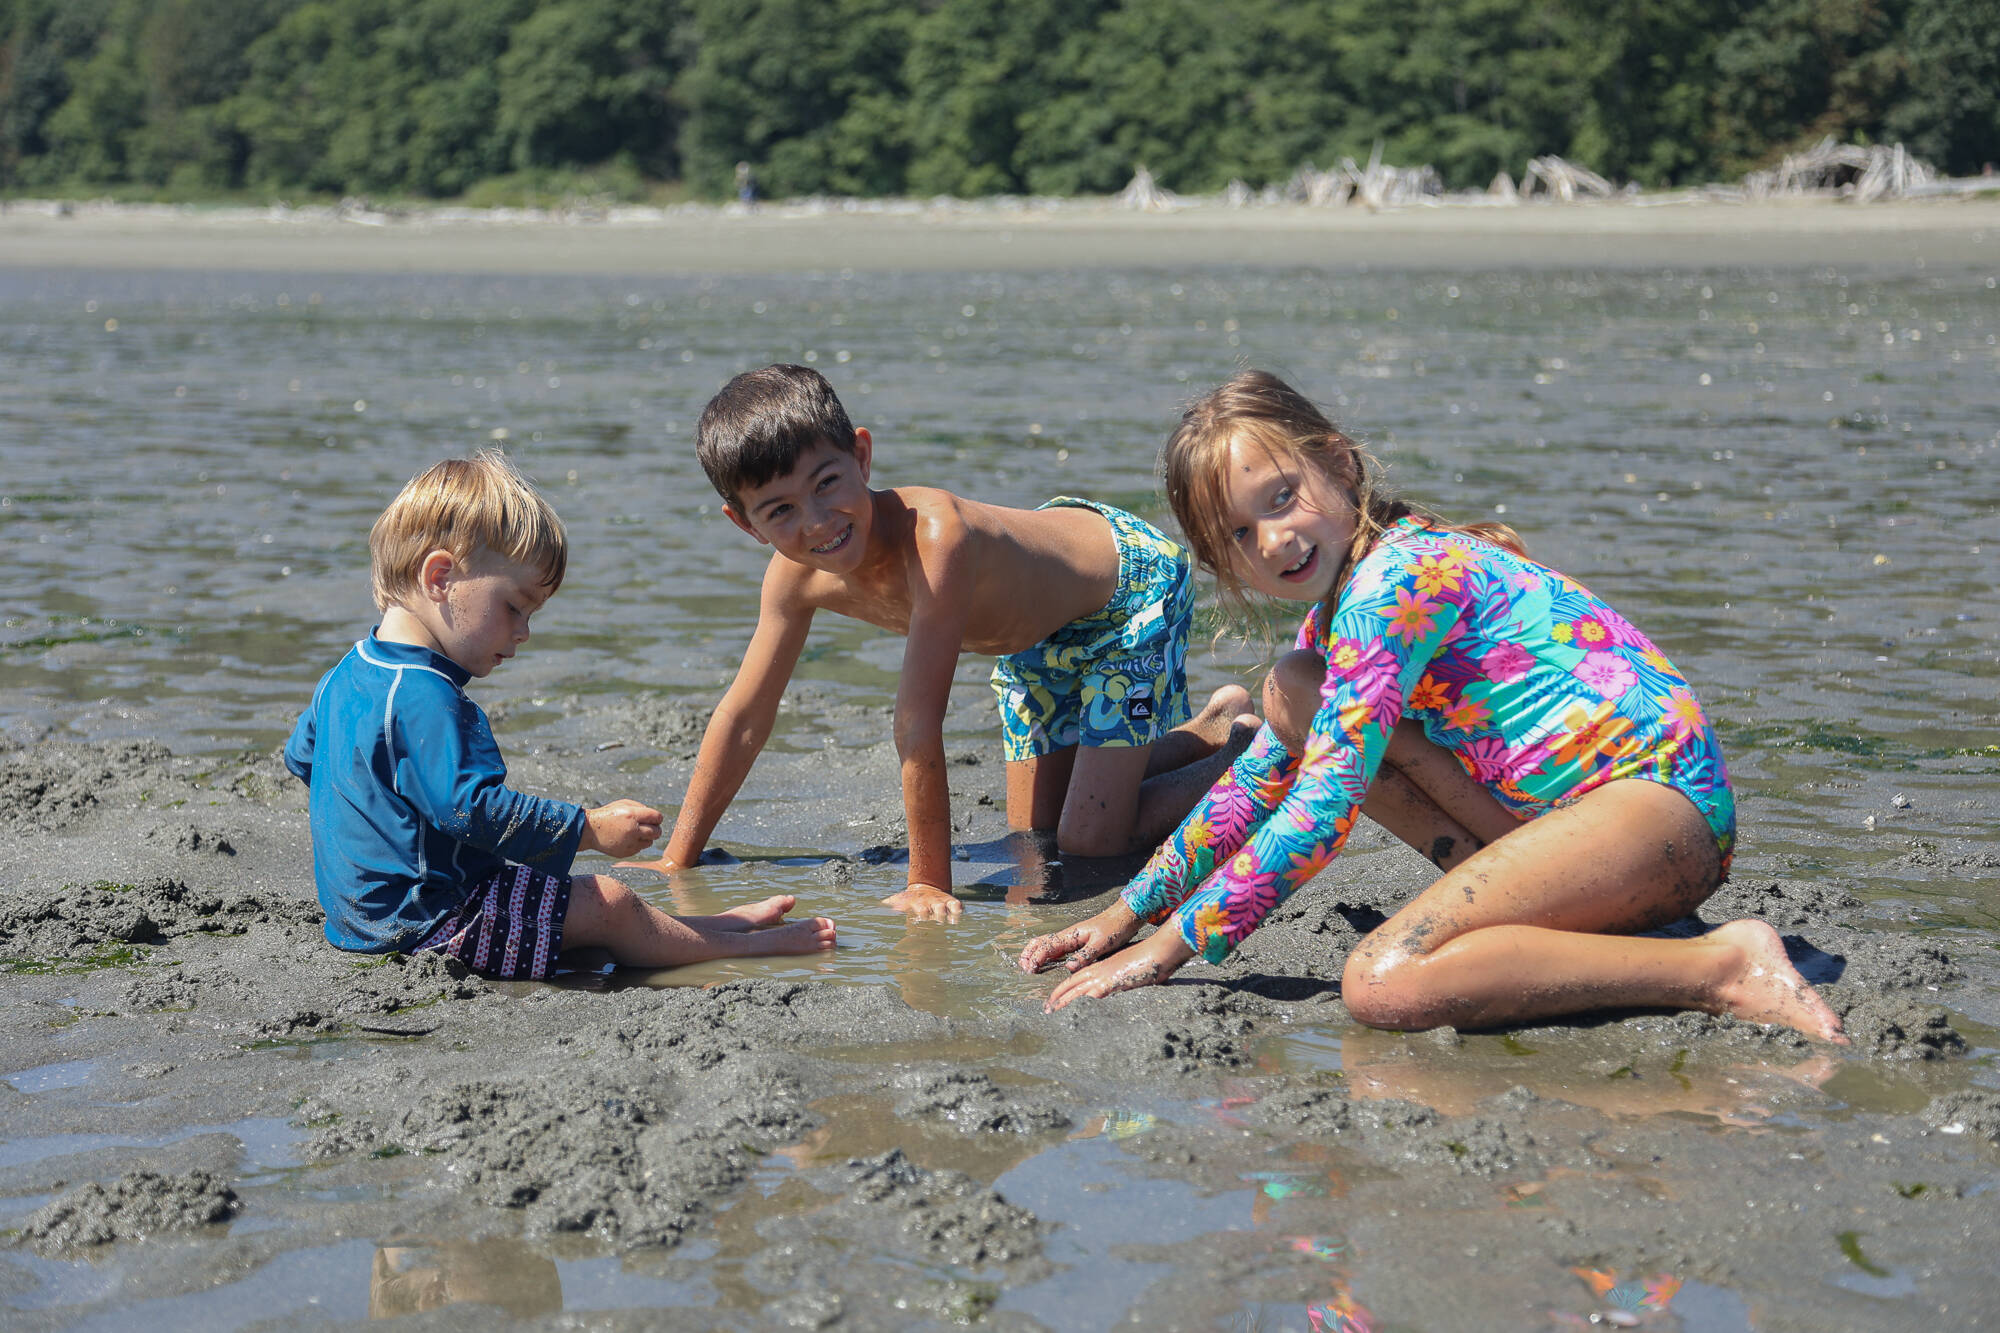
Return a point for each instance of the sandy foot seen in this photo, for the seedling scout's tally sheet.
(1769, 989)
(754, 916)
(812, 936)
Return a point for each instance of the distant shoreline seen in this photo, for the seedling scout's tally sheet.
(986, 236)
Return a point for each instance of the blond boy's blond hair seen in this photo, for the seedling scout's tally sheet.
(466, 506)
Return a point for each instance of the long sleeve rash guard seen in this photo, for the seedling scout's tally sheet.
(1541, 690)
(409, 798)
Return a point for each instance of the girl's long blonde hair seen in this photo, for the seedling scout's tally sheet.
(1258, 408)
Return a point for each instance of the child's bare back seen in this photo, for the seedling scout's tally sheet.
(1019, 575)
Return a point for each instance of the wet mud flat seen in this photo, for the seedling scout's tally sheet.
(210, 1117)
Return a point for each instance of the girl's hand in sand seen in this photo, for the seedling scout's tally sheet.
(620, 829)
(1083, 943)
(1145, 964)
(925, 903)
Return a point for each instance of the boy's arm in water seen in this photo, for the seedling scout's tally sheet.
(742, 721)
(940, 579)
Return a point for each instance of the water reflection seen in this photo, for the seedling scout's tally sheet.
(414, 1274)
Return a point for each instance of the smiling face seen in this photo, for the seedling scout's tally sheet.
(817, 514)
(1290, 527)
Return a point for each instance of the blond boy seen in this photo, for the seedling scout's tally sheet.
(419, 845)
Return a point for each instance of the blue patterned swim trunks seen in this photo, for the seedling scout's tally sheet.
(1117, 677)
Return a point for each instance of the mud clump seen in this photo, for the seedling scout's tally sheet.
(1971, 1112)
(976, 1105)
(1784, 903)
(37, 796)
(663, 724)
(1898, 962)
(949, 1215)
(80, 922)
(1892, 1027)
(136, 1205)
(189, 838)
(631, 1158)
(1318, 1111)
(701, 1028)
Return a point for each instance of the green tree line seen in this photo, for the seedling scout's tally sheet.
(965, 97)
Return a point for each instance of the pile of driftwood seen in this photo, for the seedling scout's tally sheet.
(1145, 194)
(1843, 171)
(1377, 185)
(1829, 170)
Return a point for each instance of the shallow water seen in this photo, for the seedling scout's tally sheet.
(1784, 476)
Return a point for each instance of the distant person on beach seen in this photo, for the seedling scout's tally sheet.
(746, 185)
(1087, 607)
(1487, 710)
(419, 845)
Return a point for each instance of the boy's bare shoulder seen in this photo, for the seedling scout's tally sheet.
(792, 587)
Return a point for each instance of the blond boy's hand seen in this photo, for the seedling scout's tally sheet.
(620, 828)
(925, 903)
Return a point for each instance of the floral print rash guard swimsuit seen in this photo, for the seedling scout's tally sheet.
(1541, 690)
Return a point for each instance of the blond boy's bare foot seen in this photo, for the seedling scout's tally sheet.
(755, 916)
(1768, 989)
(815, 935)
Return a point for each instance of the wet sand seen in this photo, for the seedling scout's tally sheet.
(201, 1069)
(781, 238)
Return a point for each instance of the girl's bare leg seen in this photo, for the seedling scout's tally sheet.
(1536, 923)
(606, 914)
(1531, 919)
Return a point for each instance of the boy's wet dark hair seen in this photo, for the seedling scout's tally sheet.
(757, 427)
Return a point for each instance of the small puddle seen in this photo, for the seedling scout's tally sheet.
(51, 1078)
(268, 1143)
(1606, 1297)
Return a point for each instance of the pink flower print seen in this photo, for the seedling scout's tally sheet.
(1682, 712)
(1506, 663)
(1589, 632)
(1607, 673)
(1413, 617)
(1486, 756)
(1622, 631)
(1525, 762)
(1368, 668)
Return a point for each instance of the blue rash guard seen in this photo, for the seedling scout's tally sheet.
(409, 799)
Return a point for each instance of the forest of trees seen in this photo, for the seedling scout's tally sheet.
(435, 98)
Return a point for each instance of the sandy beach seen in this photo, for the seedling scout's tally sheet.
(781, 238)
(209, 1118)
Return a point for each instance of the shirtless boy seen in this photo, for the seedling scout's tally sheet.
(1087, 607)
